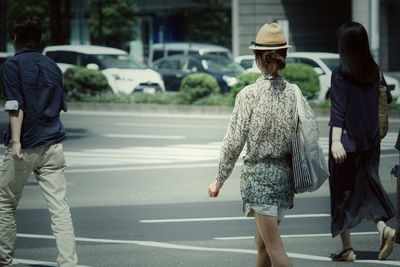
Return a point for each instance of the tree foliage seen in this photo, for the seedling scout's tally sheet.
(209, 23)
(112, 22)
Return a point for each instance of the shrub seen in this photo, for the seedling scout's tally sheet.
(81, 82)
(198, 85)
(139, 97)
(244, 79)
(304, 76)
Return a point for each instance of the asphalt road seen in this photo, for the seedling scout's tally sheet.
(137, 186)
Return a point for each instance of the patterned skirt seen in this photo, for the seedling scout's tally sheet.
(267, 182)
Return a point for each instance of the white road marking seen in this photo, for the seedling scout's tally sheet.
(386, 144)
(170, 125)
(212, 219)
(292, 236)
(41, 263)
(145, 136)
(135, 168)
(197, 248)
(164, 157)
(183, 114)
(181, 153)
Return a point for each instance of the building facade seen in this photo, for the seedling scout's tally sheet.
(311, 25)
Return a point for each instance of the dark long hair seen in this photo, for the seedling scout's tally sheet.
(271, 60)
(27, 30)
(355, 55)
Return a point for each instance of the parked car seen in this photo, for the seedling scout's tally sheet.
(123, 73)
(323, 64)
(160, 50)
(175, 68)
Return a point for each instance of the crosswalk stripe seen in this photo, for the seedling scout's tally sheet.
(177, 153)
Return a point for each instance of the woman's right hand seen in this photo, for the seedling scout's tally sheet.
(338, 152)
(213, 188)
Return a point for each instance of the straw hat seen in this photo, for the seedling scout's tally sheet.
(269, 37)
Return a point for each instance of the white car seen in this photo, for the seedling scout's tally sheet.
(323, 64)
(123, 73)
(246, 61)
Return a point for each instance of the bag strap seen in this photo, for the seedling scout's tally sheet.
(299, 107)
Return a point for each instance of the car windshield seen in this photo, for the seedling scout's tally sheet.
(119, 61)
(332, 63)
(221, 64)
(220, 53)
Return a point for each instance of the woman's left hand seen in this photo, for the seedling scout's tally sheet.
(213, 188)
(338, 152)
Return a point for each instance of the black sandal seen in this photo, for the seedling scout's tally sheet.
(344, 255)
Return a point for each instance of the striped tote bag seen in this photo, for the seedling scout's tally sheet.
(310, 170)
(301, 174)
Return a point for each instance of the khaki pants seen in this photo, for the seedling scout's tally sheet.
(47, 163)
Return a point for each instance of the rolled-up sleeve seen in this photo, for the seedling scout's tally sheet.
(235, 137)
(12, 86)
(338, 100)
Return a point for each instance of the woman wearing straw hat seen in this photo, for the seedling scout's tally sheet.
(263, 118)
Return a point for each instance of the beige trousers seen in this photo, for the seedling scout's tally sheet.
(47, 163)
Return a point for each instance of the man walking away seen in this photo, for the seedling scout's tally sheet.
(34, 99)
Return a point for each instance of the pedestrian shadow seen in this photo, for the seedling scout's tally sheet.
(78, 133)
(367, 255)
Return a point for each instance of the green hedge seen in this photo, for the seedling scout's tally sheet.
(198, 85)
(304, 76)
(81, 82)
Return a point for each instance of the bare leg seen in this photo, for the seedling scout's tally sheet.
(263, 259)
(345, 237)
(267, 226)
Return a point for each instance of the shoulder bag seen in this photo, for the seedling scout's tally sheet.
(310, 169)
(383, 109)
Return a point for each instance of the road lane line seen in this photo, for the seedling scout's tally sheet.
(291, 236)
(183, 114)
(134, 168)
(210, 249)
(145, 136)
(211, 219)
(170, 125)
(39, 263)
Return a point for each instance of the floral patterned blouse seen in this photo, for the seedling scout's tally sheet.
(263, 119)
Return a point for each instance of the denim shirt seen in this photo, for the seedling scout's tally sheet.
(33, 83)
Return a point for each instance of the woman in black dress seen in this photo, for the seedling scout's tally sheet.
(356, 190)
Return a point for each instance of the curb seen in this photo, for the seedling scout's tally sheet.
(177, 109)
(150, 108)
